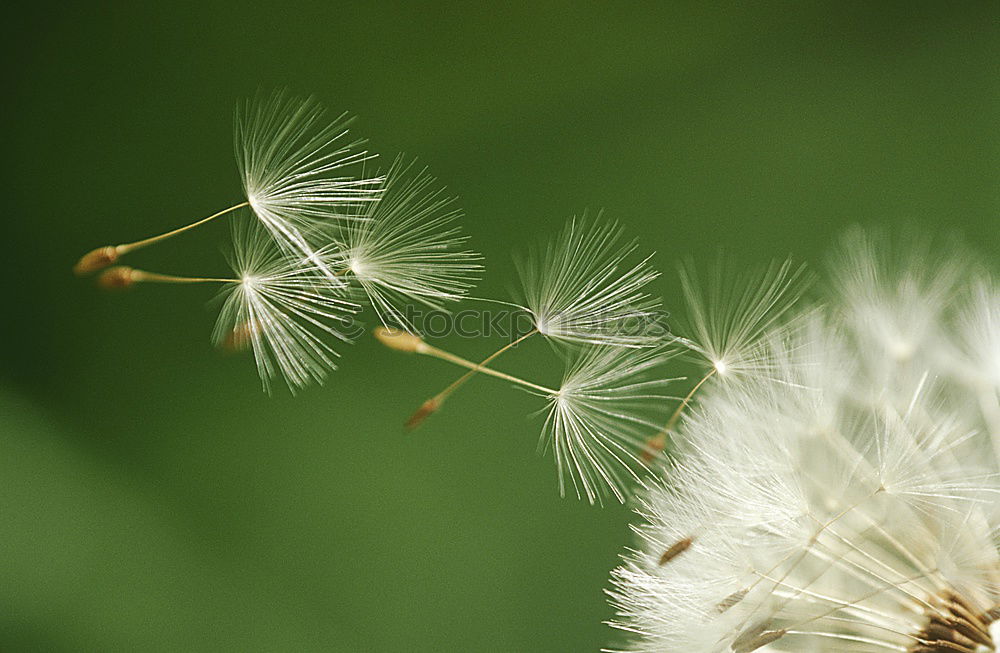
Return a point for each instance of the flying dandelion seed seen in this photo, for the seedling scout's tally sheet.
(407, 248)
(578, 291)
(581, 287)
(847, 501)
(293, 164)
(283, 308)
(608, 403)
(311, 225)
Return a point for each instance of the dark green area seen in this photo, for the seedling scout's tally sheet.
(152, 499)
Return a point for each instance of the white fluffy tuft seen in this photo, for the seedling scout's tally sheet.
(581, 289)
(845, 502)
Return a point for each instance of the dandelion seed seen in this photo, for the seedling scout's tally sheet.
(730, 321)
(118, 277)
(240, 338)
(400, 340)
(580, 288)
(284, 307)
(102, 257)
(731, 600)
(407, 247)
(404, 341)
(293, 166)
(675, 549)
(279, 306)
(607, 404)
(122, 277)
(608, 400)
(578, 291)
(729, 327)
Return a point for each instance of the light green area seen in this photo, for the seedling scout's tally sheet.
(152, 499)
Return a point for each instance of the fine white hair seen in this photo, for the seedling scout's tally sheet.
(847, 500)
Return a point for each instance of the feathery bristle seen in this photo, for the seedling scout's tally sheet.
(293, 307)
(845, 501)
(294, 164)
(609, 402)
(896, 300)
(580, 288)
(407, 248)
(730, 320)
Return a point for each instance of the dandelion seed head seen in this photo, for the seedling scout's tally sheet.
(845, 501)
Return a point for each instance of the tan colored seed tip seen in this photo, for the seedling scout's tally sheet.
(761, 641)
(732, 600)
(426, 409)
(399, 339)
(240, 338)
(676, 549)
(95, 260)
(119, 277)
(654, 446)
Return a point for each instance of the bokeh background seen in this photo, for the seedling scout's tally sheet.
(152, 499)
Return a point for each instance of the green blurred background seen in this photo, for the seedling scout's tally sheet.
(151, 498)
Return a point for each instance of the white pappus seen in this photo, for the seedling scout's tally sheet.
(847, 502)
(283, 307)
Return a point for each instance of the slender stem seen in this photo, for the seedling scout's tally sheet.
(850, 638)
(684, 402)
(481, 367)
(156, 277)
(478, 367)
(656, 443)
(129, 247)
(991, 412)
